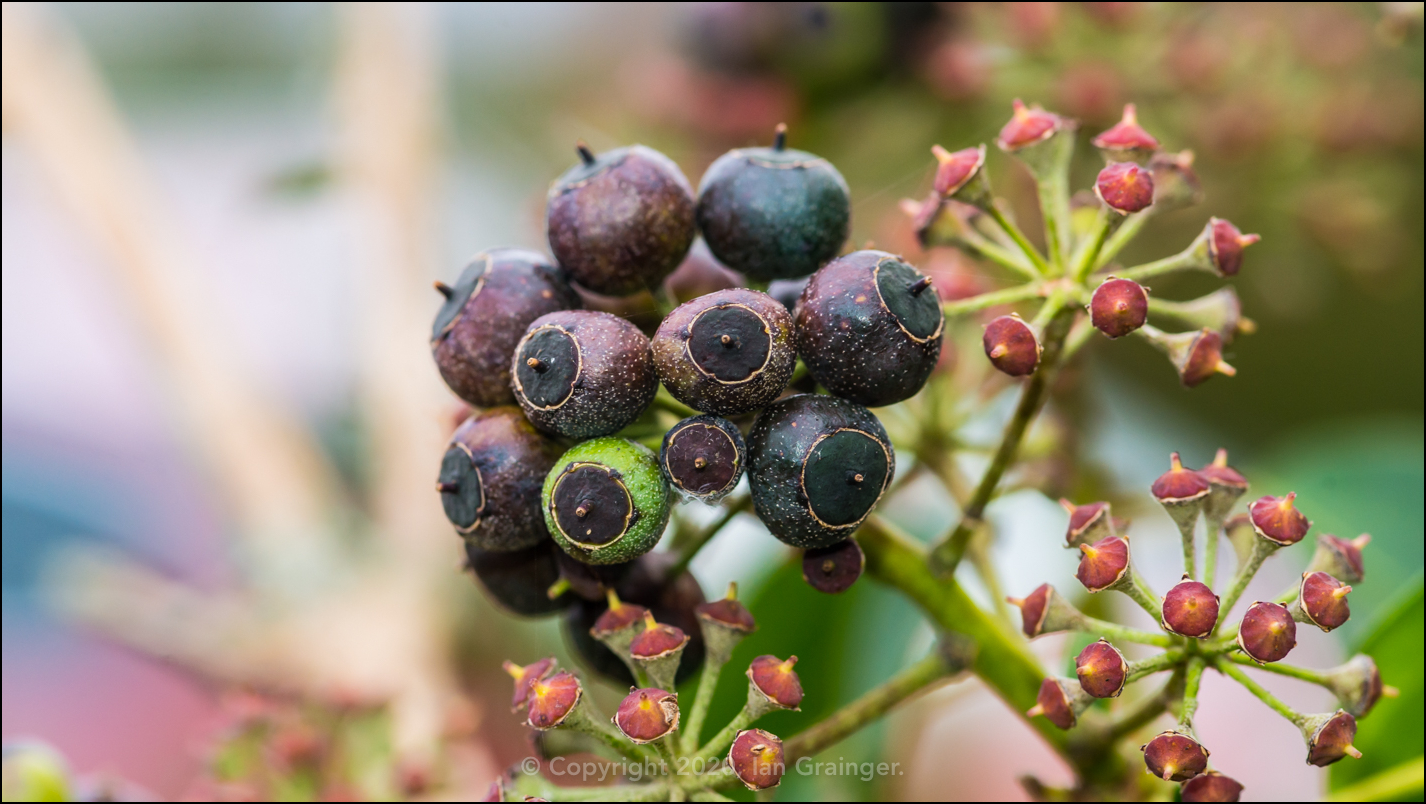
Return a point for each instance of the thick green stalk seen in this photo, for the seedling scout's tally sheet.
(1024, 244)
(993, 252)
(1210, 557)
(1303, 673)
(1054, 206)
(948, 554)
(1262, 548)
(1104, 223)
(1164, 661)
(1140, 593)
(1187, 260)
(1118, 633)
(707, 683)
(866, 709)
(1146, 710)
(719, 742)
(1117, 241)
(1193, 677)
(1231, 670)
(1029, 290)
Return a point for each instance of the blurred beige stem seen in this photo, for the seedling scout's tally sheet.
(269, 469)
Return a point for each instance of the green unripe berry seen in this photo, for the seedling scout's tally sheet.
(606, 502)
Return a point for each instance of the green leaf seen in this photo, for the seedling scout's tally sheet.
(1391, 733)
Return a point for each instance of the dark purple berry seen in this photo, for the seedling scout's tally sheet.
(817, 465)
(1322, 601)
(703, 457)
(1267, 632)
(490, 480)
(621, 222)
(1118, 307)
(1101, 670)
(582, 374)
(1277, 520)
(1190, 609)
(832, 570)
(757, 760)
(869, 328)
(773, 213)
(1211, 786)
(727, 352)
(1011, 345)
(484, 315)
(647, 715)
(518, 581)
(1175, 757)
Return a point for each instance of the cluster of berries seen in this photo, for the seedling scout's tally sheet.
(1195, 632)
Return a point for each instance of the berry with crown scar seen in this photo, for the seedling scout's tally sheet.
(646, 715)
(1104, 564)
(1278, 520)
(1125, 187)
(832, 570)
(1044, 611)
(703, 457)
(1011, 345)
(551, 700)
(775, 683)
(658, 650)
(961, 175)
(606, 501)
(1118, 307)
(1267, 632)
(488, 477)
(525, 679)
(1329, 737)
(1225, 246)
(1196, 356)
(1211, 786)
(1183, 493)
(1225, 487)
(1088, 523)
(1340, 558)
(1175, 756)
(724, 624)
(728, 352)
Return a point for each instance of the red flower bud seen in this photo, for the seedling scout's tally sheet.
(1275, 519)
(728, 613)
(1225, 246)
(955, 170)
(1043, 611)
(1101, 669)
(1197, 356)
(777, 681)
(1028, 126)
(1211, 786)
(1225, 486)
(1118, 307)
(657, 640)
(1190, 609)
(1340, 558)
(1061, 700)
(648, 714)
(1175, 184)
(1175, 757)
(1125, 187)
(1267, 632)
(1329, 738)
(1126, 139)
(525, 678)
(619, 617)
(1179, 486)
(1088, 523)
(552, 699)
(1011, 345)
(1103, 564)
(1357, 684)
(757, 759)
(1322, 601)
(832, 570)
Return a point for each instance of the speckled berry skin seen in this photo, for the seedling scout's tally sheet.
(869, 328)
(746, 372)
(497, 296)
(490, 480)
(718, 443)
(773, 214)
(805, 455)
(596, 373)
(518, 581)
(621, 223)
(632, 487)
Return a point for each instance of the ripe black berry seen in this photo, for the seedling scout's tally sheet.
(606, 502)
(869, 328)
(519, 581)
(832, 570)
(703, 457)
(490, 480)
(773, 213)
(622, 221)
(727, 352)
(582, 374)
(495, 299)
(818, 465)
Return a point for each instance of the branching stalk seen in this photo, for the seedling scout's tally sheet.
(1023, 243)
(1029, 290)
(866, 709)
(1236, 673)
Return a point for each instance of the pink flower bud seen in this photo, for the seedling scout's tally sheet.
(955, 170)
(1340, 558)
(1011, 345)
(1088, 523)
(1329, 738)
(525, 679)
(1277, 520)
(728, 613)
(1225, 246)
(1190, 609)
(1211, 786)
(1043, 611)
(1103, 564)
(619, 617)
(1126, 139)
(1118, 307)
(1101, 669)
(1357, 684)
(552, 699)
(757, 759)
(1197, 356)
(1267, 632)
(1322, 601)
(1175, 757)
(657, 640)
(1061, 700)
(777, 681)
(648, 714)
(1028, 126)
(1179, 485)
(1125, 187)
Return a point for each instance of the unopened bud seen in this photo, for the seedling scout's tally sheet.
(552, 699)
(1340, 558)
(1211, 786)
(1028, 126)
(1329, 737)
(1357, 684)
(775, 681)
(658, 650)
(1183, 493)
(1101, 669)
(1012, 346)
(648, 714)
(1196, 356)
(960, 175)
(1322, 601)
(1220, 311)
(1225, 487)
(1061, 701)
(1267, 632)
(525, 679)
(1126, 140)
(1175, 756)
(832, 570)
(1225, 246)
(1278, 520)
(1043, 611)
(1088, 523)
(1118, 307)
(756, 758)
(1104, 564)
(1176, 186)
(1125, 187)
(724, 624)
(1190, 609)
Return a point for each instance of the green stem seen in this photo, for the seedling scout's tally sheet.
(1104, 222)
(1262, 548)
(719, 742)
(948, 554)
(695, 542)
(1054, 206)
(866, 709)
(1303, 673)
(1117, 241)
(707, 795)
(1210, 557)
(588, 721)
(1183, 261)
(1193, 677)
(1026, 247)
(1164, 661)
(707, 683)
(986, 250)
(1118, 633)
(665, 401)
(1147, 709)
(1236, 673)
(1140, 593)
(1029, 290)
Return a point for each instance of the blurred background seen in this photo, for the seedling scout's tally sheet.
(221, 422)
